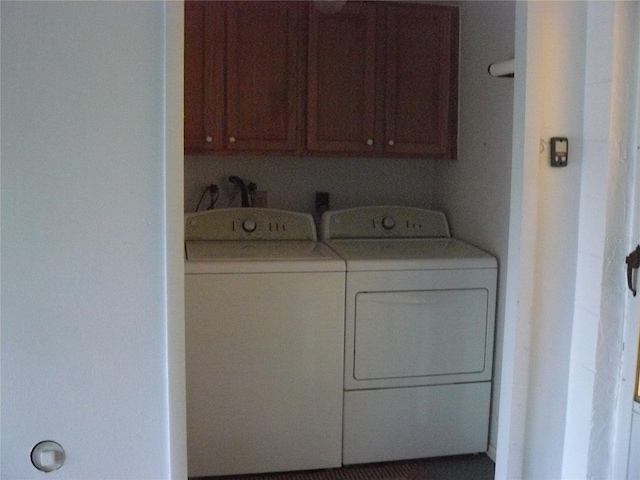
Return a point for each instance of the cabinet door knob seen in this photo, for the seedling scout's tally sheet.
(232, 139)
(391, 142)
(209, 139)
(369, 142)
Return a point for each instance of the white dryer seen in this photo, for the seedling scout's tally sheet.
(264, 343)
(419, 332)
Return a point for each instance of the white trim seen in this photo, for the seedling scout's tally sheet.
(630, 14)
(491, 452)
(522, 247)
(0, 225)
(174, 201)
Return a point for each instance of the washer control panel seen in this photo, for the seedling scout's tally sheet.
(249, 224)
(388, 222)
(384, 222)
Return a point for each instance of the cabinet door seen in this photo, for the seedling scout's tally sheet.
(198, 53)
(262, 76)
(341, 79)
(421, 93)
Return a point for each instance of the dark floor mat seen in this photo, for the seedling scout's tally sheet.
(463, 467)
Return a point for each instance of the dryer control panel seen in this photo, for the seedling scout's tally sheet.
(384, 222)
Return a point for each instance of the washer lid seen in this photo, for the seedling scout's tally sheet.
(204, 256)
(411, 254)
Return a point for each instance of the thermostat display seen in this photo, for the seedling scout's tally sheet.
(559, 151)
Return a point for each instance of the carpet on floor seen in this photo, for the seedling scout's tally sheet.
(462, 467)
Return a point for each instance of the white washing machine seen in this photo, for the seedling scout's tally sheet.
(419, 331)
(264, 343)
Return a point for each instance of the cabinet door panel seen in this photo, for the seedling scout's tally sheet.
(421, 85)
(198, 132)
(261, 76)
(341, 79)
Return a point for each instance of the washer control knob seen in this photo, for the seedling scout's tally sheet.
(388, 222)
(249, 225)
(48, 456)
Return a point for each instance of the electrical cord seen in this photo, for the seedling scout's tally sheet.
(214, 194)
(251, 191)
(243, 189)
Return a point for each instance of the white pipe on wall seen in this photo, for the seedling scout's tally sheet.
(503, 69)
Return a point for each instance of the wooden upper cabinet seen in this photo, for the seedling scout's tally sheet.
(373, 79)
(382, 80)
(243, 68)
(341, 90)
(261, 73)
(421, 80)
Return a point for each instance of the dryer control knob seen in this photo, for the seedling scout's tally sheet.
(388, 223)
(249, 225)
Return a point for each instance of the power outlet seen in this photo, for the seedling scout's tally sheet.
(322, 202)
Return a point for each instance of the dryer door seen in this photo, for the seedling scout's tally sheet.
(420, 333)
(412, 328)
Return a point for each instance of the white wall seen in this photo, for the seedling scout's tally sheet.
(564, 346)
(563, 30)
(84, 320)
(616, 343)
(474, 190)
(591, 240)
(520, 268)
(546, 209)
(174, 235)
(291, 182)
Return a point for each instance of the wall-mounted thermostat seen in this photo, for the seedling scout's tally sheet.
(559, 151)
